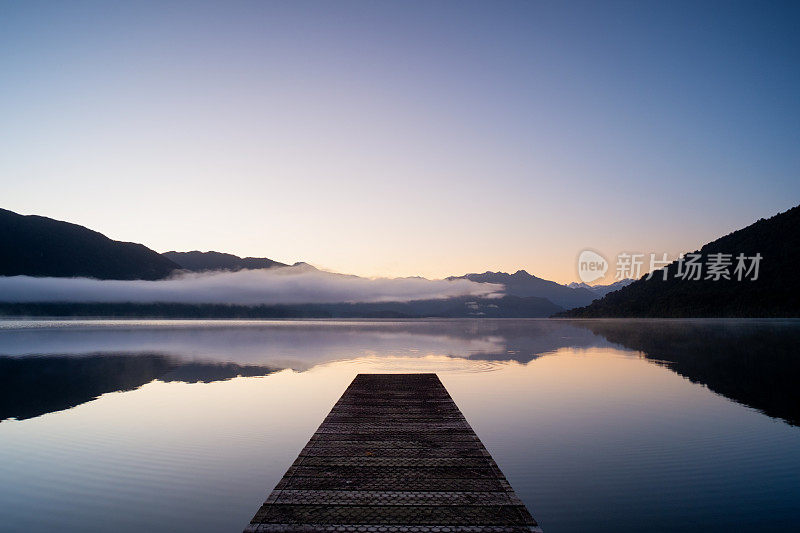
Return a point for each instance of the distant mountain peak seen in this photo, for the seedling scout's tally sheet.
(602, 290)
(523, 284)
(304, 266)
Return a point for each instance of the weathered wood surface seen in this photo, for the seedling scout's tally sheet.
(395, 454)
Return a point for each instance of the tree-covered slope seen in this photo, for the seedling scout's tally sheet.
(39, 246)
(776, 292)
(205, 261)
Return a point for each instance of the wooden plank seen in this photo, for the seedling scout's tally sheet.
(395, 454)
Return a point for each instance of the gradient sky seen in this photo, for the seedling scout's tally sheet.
(402, 138)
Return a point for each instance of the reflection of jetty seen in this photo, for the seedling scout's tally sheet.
(394, 454)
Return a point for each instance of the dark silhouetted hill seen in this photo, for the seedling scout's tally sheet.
(39, 246)
(205, 261)
(776, 292)
(523, 284)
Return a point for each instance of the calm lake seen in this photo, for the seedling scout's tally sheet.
(599, 425)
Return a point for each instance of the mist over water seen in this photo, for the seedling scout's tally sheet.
(286, 285)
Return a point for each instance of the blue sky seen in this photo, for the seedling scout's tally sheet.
(402, 138)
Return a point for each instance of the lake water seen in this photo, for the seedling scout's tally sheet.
(603, 425)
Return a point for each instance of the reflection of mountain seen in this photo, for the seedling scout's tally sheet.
(209, 372)
(33, 386)
(524, 341)
(301, 344)
(753, 363)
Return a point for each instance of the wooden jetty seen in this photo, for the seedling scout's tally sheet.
(395, 454)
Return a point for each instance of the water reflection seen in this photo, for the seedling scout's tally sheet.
(582, 416)
(753, 362)
(47, 366)
(33, 386)
(297, 344)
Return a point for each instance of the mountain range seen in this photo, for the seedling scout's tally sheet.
(42, 247)
(522, 284)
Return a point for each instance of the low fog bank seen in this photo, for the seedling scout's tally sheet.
(290, 285)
